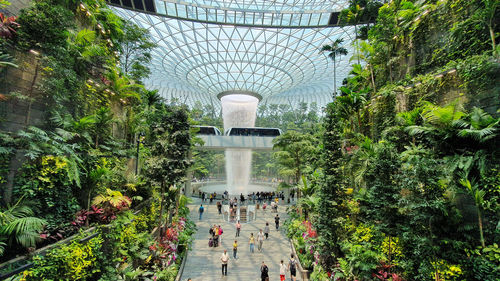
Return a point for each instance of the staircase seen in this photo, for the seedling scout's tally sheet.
(243, 214)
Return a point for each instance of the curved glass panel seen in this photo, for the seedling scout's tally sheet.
(197, 61)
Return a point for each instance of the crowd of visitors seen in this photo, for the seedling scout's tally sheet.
(258, 197)
(216, 233)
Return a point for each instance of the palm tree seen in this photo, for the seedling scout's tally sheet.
(439, 122)
(364, 52)
(353, 102)
(18, 226)
(478, 125)
(478, 196)
(335, 50)
(354, 17)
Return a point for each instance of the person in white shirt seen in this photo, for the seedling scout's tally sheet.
(266, 230)
(260, 239)
(282, 271)
(224, 258)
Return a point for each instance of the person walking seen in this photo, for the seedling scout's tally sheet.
(264, 272)
(277, 221)
(201, 210)
(219, 207)
(216, 236)
(266, 230)
(238, 228)
(282, 271)
(235, 248)
(224, 258)
(220, 234)
(252, 243)
(260, 239)
(292, 267)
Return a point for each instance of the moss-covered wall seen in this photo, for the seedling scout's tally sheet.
(473, 82)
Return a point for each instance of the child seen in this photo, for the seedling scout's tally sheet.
(282, 271)
(235, 248)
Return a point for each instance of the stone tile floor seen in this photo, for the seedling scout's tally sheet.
(203, 262)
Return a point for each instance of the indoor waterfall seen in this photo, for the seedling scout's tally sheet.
(238, 110)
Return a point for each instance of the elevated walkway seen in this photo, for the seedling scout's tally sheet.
(236, 142)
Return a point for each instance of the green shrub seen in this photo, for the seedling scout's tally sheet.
(76, 261)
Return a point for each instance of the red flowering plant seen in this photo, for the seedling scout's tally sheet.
(8, 26)
(351, 149)
(306, 245)
(166, 247)
(112, 202)
(383, 273)
(104, 209)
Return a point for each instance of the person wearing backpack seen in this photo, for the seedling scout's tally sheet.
(201, 210)
(264, 272)
(292, 267)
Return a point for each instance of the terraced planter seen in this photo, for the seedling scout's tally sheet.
(304, 273)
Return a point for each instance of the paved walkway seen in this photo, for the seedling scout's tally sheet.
(203, 263)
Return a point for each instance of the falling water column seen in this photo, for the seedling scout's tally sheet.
(238, 110)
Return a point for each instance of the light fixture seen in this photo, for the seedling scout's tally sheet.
(33, 52)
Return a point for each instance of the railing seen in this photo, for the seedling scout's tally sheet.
(22, 263)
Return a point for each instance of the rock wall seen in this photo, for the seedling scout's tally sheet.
(23, 105)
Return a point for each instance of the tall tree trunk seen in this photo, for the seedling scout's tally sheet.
(30, 94)
(162, 195)
(334, 77)
(373, 79)
(359, 121)
(88, 207)
(356, 42)
(492, 36)
(390, 259)
(480, 227)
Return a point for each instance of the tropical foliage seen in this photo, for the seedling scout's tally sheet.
(67, 167)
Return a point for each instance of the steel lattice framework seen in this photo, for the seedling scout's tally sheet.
(196, 60)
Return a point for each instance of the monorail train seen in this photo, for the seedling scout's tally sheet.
(261, 132)
(208, 130)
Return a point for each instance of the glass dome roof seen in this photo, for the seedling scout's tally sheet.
(196, 61)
